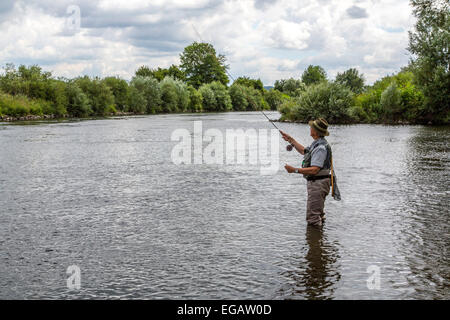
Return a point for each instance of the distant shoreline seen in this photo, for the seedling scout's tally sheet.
(31, 118)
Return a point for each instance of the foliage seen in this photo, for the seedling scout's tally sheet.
(20, 105)
(195, 100)
(169, 95)
(352, 79)
(101, 99)
(328, 100)
(119, 89)
(202, 65)
(160, 73)
(150, 89)
(215, 97)
(137, 101)
(274, 98)
(78, 102)
(429, 42)
(314, 75)
(291, 87)
(251, 83)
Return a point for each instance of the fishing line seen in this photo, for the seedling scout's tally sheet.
(290, 146)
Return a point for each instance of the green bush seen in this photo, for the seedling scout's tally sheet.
(390, 102)
(78, 101)
(100, 96)
(291, 87)
(215, 97)
(182, 94)
(169, 95)
(150, 89)
(57, 95)
(19, 105)
(209, 99)
(195, 100)
(331, 101)
(238, 97)
(119, 89)
(137, 103)
(274, 98)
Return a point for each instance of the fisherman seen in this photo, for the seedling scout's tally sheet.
(317, 169)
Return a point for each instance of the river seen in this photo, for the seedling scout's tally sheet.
(105, 196)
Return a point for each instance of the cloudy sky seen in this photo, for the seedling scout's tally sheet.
(267, 39)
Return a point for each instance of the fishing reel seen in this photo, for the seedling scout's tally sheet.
(289, 147)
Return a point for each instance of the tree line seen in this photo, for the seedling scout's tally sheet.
(418, 93)
(199, 84)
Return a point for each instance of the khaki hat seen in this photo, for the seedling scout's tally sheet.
(320, 125)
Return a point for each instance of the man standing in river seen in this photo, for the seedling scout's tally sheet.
(316, 168)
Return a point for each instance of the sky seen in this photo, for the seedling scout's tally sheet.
(266, 39)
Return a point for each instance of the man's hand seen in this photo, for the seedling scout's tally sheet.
(289, 168)
(286, 137)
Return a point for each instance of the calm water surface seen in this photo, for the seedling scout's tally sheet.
(104, 195)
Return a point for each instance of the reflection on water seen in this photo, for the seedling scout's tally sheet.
(104, 195)
(316, 275)
(425, 233)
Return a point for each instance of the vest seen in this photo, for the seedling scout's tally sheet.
(327, 163)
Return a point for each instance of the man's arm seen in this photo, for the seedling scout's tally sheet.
(292, 141)
(310, 171)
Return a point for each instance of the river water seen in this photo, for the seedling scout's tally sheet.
(105, 196)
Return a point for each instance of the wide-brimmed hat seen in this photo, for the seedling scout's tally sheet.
(320, 125)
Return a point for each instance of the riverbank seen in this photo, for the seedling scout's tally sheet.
(6, 118)
(398, 122)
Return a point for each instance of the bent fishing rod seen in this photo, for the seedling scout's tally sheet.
(290, 146)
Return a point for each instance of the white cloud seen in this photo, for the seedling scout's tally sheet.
(265, 39)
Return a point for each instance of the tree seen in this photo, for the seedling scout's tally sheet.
(100, 96)
(150, 89)
(195, 100)
(144, 71)
(56, 93)
(238, 97)
(169, 95)
(223, 100)
(352, 79)
(252, 83)
(160, 73)
(429, 42)
(215, 97)
(78, 102)
(209, 99)
(202, 65)
(137, 103)
(119, 88)
(391, 102)
(331, 101)
(314, 75)
(291, 86)
(274, 98)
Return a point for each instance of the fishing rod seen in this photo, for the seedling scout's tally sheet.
(290, 146)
